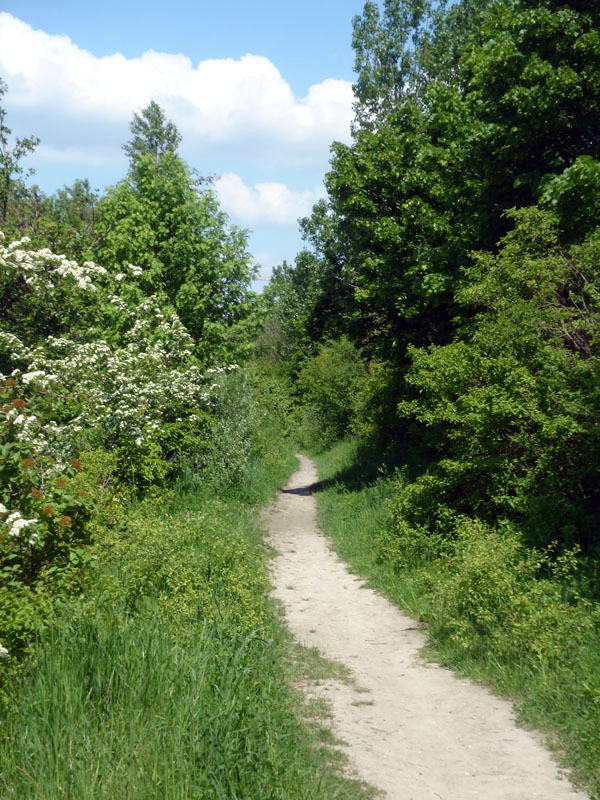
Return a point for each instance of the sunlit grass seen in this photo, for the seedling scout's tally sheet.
(172, 678)
(559, 694)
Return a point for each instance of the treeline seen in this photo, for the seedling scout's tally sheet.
(122, 322)
(140, 655)
(161, 217)
(445, 316)
(457, 252)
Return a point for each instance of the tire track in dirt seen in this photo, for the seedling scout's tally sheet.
(414, 730)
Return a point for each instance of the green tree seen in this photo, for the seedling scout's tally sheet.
(443, 42)
(153, 134)
(402, 216)
(68, 220)
(514, 107)
(384, 45)
(406, 45)
(328, 385)
(511, 405)
(532, 75)
(162, 219)
(10, 159)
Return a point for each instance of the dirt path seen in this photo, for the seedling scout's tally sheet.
(414, 730)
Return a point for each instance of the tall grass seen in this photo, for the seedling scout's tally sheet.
(170, 679)
(120, 708)
(493, 610)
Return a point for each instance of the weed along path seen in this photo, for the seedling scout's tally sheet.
(413, 730)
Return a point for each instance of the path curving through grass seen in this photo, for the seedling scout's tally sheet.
(414, 730)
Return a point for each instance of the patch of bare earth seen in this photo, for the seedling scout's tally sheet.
(413, 730)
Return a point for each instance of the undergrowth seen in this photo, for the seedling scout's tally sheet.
(512, 617)
(170, 679)
(167, 673)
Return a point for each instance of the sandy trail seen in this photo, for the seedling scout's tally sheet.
(414, 730)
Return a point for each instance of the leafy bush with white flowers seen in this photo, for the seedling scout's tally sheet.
(139, 393)
(43, 293)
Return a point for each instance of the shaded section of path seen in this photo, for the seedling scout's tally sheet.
(414, 730)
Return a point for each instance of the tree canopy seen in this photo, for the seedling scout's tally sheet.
(165, 219)
(457, 249)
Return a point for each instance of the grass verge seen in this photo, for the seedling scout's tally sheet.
(171, 677)
(489, 615)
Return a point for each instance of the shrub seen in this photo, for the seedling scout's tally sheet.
(512, 405)
(495, 597)
(327, 386)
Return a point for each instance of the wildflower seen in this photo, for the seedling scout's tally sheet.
(49, 511)
(18, 402)
(4, 652)
(65, 521)
(28, 462)
(18, 523)
(36, 494)
(3, 509)
(76, 463)
(27, 377)
(61, 483)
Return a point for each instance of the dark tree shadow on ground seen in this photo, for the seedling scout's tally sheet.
(375, 459)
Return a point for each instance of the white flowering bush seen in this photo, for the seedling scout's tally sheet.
(138, 393)
(120, 396)
(44, 293)
(131, 399)
(42, 517)
(42, 270)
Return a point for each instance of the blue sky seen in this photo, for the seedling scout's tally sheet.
(258, 90)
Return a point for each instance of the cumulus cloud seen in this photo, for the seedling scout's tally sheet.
(220, 103)
(264, 203)
(72, 155)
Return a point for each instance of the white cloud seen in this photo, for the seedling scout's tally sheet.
(265, 261)
(220, 103)
(73, 155)
(264, 203)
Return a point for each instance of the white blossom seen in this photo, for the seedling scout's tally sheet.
(18, 524)
(123, 394)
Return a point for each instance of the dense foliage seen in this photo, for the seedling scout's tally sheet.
(457, 255)
(137, 443)
(446, 308)
(130, 358)
(458, 250)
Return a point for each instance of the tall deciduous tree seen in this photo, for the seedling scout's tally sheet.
(384, 45)
(510, 116)
(162, 219)
(10, 158)
(152, 134)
